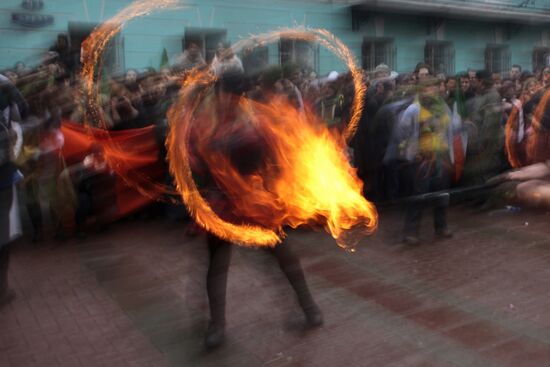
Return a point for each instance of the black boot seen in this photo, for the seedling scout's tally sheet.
(215, 335)
(314, 316)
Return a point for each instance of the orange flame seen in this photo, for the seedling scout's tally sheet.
(319, 187)
(92, 51)
(307, 179)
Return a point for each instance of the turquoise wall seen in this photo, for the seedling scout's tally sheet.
(145, 38)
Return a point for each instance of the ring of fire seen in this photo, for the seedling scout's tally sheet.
(191, 95)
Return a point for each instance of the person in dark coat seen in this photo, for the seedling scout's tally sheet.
(11, 104)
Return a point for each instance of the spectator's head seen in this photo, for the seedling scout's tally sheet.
(422, 71)
(483, 81)
(131, 76)
(508, 90)
(428, 90)
(464, 80)
(497, 80)
(312, 76)
(291, 71)
(472, 74)
(515, 72)
(382, 71)
(526, 74)
(402, 79)
(530, 87)
(20, 68)
(153, 88)
(450, 84)
(11, 75)
(193, 49)
(224, 51)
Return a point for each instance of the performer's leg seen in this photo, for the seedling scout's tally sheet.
(291, 267)
(216, 283)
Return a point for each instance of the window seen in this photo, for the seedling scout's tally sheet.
(541, 58)
(376, 51)
(206, 38)
(302, 53)
(255, 60)
(497, 58)
(440, 55)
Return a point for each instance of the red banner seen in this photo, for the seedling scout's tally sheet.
(132, 154)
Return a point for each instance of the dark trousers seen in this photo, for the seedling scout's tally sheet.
(427, 177)
(33, 205)
(6, 200)
(4, 264)
(216, 281)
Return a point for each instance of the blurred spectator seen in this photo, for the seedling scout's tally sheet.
(545, 77)
(122, 111)
(189, 59)
(382, 71)
(485, 156)
(425, 135)
(422, 71)
(225, 60)
(515, 72)
(11, 105)
(21, 68)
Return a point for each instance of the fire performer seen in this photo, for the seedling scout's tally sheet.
(225, 129)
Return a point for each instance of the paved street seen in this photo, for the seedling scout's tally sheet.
(135, 296)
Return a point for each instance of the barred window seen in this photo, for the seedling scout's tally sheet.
(206, 38)
(440, 55)
(541, 58)
(255, 60)
(376, 51)
(497, 58)
(304, 54)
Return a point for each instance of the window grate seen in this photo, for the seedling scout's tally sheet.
(304, 54)
(497, 58)
(440, 55)
(541, 58)
(376, 51)
(255, 60)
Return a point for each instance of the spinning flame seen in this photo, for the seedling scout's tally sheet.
(92, 51)
(307, 180)
(300, 173)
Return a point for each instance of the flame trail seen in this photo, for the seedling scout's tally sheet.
(92, 50)
(313, 182)
(321, 188)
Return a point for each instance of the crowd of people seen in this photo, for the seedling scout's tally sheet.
(420, 132)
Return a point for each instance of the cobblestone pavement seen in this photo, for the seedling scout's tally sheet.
(135, 296)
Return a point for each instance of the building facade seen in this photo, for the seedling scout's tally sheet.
(450, 35)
